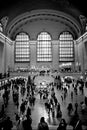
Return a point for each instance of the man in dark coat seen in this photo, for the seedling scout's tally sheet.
(27, 123)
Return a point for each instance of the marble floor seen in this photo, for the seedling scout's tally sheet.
(39, 109)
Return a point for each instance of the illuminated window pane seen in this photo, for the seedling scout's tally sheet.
(22, 48)
(66, 47)
(1, 28)
(44, 47)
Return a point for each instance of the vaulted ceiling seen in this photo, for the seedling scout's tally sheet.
(13, 8)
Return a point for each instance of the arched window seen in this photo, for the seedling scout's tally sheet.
(22, 51)
(44, 47)
(1, 28)
(66, 47)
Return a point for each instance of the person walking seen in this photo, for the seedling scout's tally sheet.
(27, 123)
(42, 125)
(62, 125)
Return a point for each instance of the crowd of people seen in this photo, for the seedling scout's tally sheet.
(27, 89)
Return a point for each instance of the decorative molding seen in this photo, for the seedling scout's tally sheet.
(82, 39)
(83, 21)
(32, 42)
(4, 22)
(5, 39)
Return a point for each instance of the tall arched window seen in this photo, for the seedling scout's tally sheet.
(22, 51)
(66, 47)
(44, 47)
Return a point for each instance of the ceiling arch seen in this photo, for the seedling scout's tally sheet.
(56, 16)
